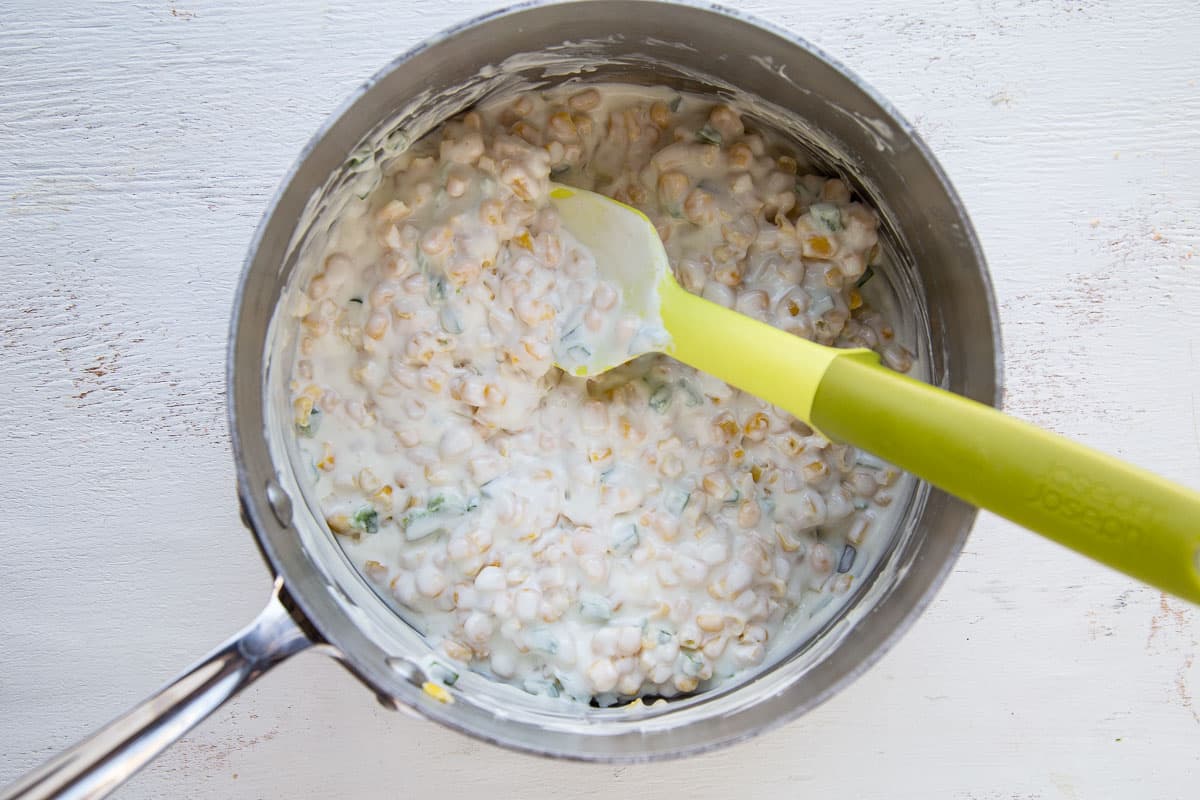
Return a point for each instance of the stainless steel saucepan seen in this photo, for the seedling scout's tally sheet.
(780, 81)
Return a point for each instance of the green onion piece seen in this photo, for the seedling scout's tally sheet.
(676, 500)
(311, 427)
(357, 159)
(595, 607)
(422, 262)
(709, 135)
(866, 276)
(451, 322)
(419, 523)
(433, 518)
(366, 519)
(445, 675)
(691, 662)
(439, 288)
(692, 397)
(376, 177)
(398, 139)
(543, 641)
(827, 214)
(660, 401)
(675, 103)
(625, 539)
(821, 302)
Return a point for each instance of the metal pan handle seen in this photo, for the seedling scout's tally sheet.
(109, 757)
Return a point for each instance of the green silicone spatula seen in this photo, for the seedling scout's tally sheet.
(1095, 504)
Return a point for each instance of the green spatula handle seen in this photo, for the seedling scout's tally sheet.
(1095, 504)
(1114, 512)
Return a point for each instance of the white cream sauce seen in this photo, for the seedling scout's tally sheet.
(648, 532)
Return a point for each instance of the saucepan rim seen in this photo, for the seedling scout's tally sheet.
(268, 510)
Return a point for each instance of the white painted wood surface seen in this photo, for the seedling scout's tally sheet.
(139, 143)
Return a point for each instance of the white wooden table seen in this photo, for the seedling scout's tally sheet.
(139, 143)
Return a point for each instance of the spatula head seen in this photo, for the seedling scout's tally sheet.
(630, 255)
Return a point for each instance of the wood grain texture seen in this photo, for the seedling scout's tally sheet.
(139, 143)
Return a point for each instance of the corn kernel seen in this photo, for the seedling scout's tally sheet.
(756, 427)
(383, 498)
(302, 407)
(437, 692)
(818, 247)
(327, 459)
